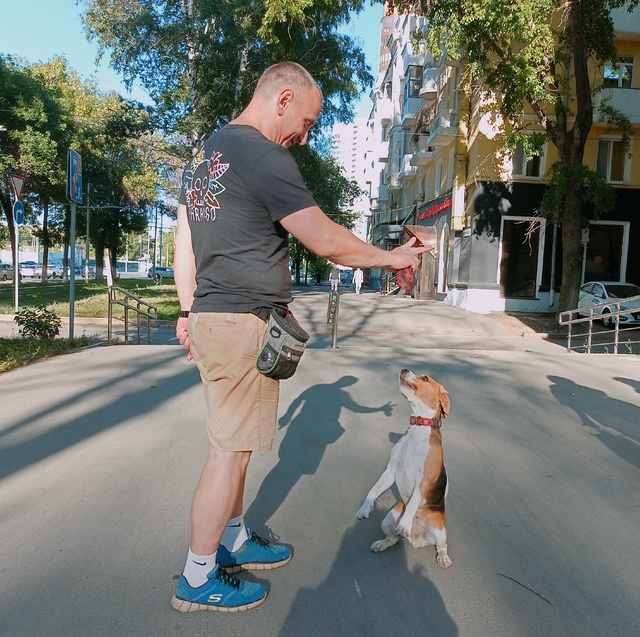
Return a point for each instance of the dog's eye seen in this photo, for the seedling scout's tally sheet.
(424, 378)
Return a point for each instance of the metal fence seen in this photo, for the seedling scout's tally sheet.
(591, 332)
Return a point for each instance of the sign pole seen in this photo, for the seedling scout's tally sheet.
(16, 272)
(74, 192)
(72, 268)
(17, 181)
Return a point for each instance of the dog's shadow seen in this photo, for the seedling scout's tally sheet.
(370, 594)
(313, 423)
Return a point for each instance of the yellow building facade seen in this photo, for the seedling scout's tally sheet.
(442, 165)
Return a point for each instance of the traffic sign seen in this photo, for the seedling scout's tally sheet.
(74, 176)
(17, 182)
(18, 212)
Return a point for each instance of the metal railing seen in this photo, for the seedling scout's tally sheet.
(596, 338)
(389, 283)
(144, 313)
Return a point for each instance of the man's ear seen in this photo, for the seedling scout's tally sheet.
(284, 99)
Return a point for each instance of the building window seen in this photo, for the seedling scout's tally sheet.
(620, 74)
(412, 82)
(604, 253)
(522, 166)
(610, 161)
(521, 256)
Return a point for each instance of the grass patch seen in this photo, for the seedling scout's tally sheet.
(91, 299)
(20, 352)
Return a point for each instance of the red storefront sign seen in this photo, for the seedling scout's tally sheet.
(434, 208)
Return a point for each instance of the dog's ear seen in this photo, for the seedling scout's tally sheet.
(445, 403)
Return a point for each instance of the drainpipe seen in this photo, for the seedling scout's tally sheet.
(552, 284)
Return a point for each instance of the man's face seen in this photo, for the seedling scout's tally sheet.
(302, 115)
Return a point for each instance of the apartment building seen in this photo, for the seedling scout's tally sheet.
(439, 165)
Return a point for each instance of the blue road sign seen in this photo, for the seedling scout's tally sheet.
(18, 212)
(74, 176)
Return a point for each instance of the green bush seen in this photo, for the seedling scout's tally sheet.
(38, 323)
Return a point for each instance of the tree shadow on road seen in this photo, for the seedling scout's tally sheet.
(612, 421)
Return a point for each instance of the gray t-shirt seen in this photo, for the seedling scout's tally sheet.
(236, 190)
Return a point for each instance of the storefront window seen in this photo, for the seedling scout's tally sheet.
(520, 256)
(604, 252)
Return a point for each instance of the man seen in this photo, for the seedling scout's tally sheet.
(242, 196)
(358, 278)
(334, 277)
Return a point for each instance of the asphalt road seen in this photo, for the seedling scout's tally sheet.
(100, 451)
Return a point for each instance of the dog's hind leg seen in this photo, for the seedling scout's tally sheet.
(385, 481)
(389, 525)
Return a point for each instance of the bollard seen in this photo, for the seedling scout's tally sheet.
(332, 315)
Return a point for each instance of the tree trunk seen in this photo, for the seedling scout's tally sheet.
(571, 250)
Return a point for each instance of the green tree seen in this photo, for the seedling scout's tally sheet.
(45, 110)
(542, 54)
(199, 60)
(333, 192)
(31, 123)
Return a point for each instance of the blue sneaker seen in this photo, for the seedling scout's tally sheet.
(256, 553)
(221, 592)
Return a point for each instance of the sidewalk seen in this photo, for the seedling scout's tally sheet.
(100, 451)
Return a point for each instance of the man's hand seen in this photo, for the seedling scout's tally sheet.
(182, 332)
(406, 256)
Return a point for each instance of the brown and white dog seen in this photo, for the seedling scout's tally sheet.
(416, 466)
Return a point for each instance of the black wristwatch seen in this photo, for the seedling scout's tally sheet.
(184, 314)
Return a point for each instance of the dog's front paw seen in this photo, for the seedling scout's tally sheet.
(381, 545)
(404, 528)
(365, 510)
(443, 559)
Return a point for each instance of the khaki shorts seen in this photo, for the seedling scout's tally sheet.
(242, 404)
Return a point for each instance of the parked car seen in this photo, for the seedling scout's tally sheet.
(603, 297)
(53, 271)
(158, 273)
(28, 269)
(6, 272)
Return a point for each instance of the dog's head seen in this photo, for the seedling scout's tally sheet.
(427, 398)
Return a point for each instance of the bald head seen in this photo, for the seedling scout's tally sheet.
(286, 75)
(285, 105)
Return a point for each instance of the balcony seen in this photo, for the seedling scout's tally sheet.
(626, 24)
(383, 193)
(423, 154)
(384, 109)
(394, 185)
(410, 58)
(409, 109)
(408, 170)
(383, 151)
(443, 129)
(429, 88)
(625, 100)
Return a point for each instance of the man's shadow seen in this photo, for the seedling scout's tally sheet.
(313, 424)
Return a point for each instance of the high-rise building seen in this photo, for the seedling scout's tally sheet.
(349, 149)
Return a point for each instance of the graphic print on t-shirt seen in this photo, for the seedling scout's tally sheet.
(202, 187)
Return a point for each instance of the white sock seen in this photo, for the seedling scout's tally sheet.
(235, 535)
(197, 568)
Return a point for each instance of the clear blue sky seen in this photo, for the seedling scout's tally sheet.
(38, 30)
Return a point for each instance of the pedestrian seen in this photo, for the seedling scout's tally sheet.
(334, 278)
(242, 195)
(358, 278)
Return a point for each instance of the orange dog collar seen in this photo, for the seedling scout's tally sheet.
(436, 423)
